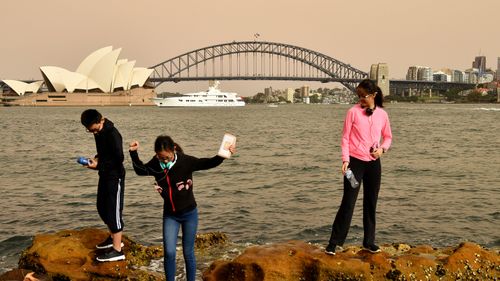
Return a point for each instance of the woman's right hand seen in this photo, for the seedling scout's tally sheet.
(157, 188)
(345, 165)
(133, 146)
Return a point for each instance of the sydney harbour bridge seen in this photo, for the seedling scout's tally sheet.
(258, 60)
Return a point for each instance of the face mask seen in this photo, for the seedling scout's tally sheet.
(169, 164)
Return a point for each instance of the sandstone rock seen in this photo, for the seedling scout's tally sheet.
(15, 274)
(207, 240)
(70, 255)
(296, 260)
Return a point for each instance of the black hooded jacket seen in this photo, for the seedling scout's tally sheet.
(177, 183)
(109, 147)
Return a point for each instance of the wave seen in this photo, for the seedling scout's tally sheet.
(488, 109)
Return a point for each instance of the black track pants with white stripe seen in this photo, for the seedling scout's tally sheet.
(110, 193)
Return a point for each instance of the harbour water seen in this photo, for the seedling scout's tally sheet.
(440, 183)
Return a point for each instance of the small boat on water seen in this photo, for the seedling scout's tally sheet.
(212, 97)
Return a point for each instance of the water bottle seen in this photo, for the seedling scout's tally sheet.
(352, 179)
(82, 160)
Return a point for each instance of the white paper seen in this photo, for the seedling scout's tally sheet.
(227, 141)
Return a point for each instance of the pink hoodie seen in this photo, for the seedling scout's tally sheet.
(361, 132)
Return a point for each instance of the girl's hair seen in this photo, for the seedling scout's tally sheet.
(371, 88)
(164, 142)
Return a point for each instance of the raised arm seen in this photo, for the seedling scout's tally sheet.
(140, 168)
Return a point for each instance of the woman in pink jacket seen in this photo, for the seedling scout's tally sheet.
(366, 136)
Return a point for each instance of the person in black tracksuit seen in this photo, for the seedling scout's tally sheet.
(173, 172)
(110, 191)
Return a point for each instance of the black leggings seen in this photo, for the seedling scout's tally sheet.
(369, 173)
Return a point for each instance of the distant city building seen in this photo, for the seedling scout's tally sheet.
(440, 76)
(424, 74)
(486, 78)
(458, 76)
(471, 75)
(479, 63)
(421, 73)
(412, 73)
(304, 93)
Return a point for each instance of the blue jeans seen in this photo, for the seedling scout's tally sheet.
(171, 224)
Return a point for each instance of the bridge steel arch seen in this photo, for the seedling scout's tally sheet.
(185, 67)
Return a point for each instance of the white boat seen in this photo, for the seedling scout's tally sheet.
(212, 97)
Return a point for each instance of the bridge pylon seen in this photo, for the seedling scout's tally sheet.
(379, 72)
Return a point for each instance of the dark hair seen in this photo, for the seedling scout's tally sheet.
(371, 88)
(89, 117)
(164, 142)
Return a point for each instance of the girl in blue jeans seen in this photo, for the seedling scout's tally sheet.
(173, 172)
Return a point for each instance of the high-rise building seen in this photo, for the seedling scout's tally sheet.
(304, 91)
(424, 74)
(471, 75)
(421, 73)
(458, 76)
(480, 64)
(412, 73)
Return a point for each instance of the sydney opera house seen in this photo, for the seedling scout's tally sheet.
(100, 79)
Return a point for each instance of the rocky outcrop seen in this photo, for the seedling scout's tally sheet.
(208, 240)
(70, 255)
(296, 260)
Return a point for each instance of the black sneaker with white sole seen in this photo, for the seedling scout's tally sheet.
(372, 248)
(330, 249)
(106, 244)
(112, 255)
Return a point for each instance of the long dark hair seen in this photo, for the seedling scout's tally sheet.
(164, 142)
(371, 88)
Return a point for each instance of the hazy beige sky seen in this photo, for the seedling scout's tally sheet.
(435, 33)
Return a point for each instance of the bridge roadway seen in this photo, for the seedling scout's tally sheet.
(395, 85)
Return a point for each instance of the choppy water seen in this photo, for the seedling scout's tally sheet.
(440, 181)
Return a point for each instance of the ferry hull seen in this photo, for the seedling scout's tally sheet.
(172, 102)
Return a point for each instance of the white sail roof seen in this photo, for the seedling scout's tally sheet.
(100, 70)
(22, 88)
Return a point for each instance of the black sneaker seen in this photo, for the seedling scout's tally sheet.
(106, 244)
(112, 255)
(330, 249)
(372, 248)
